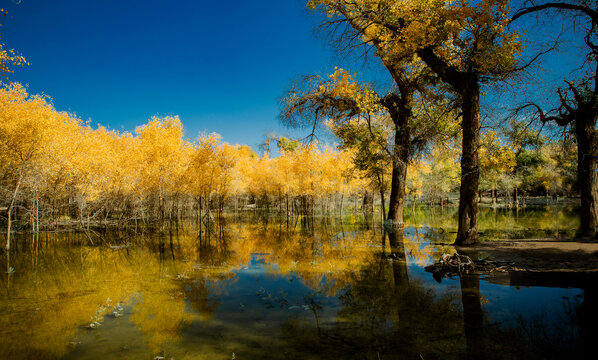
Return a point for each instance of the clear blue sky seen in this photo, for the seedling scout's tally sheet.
(220, 65)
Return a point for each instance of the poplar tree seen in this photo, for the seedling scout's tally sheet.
(465, 43)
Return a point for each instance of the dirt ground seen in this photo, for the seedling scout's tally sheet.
(541, 255)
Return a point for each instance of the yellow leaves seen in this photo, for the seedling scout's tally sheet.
(216, 167)
(452, 27)
(60, 155)
(31, 131)
(164, 153)
(341, 85)
(306, 171)
(9, 57)
(495, 156)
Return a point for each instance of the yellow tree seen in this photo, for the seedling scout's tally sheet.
(243, 159)
(442, 173)
(285, 178)
(28, 125)
(165, 157)
(497, 160)
(199, 173)
(384, 131)
(463, 42)
(230, 168)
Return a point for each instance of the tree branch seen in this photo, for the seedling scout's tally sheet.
(558, 6)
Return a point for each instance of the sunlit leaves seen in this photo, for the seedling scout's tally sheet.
(58, 156)
(9, 58)
(464, 33)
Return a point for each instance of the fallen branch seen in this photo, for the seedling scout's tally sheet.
(455, 264)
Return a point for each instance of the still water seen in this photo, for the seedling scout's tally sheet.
(260, 288)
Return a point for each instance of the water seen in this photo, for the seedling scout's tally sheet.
(256, 289)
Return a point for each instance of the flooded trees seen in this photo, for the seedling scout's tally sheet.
(57, 172)
(386, 131)
(30, 136)
(464, 44)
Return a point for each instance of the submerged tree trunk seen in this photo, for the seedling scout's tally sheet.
(466, 84)
(399, 176)
(467, 232)
(382, 201)
(400, 112)
(587, 140)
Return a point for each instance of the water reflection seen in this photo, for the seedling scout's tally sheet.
(382, 314)
(259, 288)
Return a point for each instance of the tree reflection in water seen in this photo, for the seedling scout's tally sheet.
(384, 315)
(265, 289)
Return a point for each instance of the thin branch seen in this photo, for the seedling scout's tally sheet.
(558, 6)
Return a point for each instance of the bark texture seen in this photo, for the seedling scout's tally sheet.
(586, 170)
(467, 232)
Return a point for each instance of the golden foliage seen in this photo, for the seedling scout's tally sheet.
(55, 153)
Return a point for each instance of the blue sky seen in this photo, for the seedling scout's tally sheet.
(220, 66)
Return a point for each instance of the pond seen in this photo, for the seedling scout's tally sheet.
(258, 287)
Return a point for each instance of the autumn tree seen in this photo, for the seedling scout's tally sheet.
(497, 162)
(578, 102)
(442, 173)
(165, 156)
(383, 130)
(31, 135)
(465, 43)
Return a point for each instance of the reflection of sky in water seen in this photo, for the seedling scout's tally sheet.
(503, 304)
(507, 304)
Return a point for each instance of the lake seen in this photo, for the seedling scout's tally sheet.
(259, 287)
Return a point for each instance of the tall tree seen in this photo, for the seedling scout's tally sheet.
(578, 104)
(465, 43)
(384, 130)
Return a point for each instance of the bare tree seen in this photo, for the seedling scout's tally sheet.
(578, 104)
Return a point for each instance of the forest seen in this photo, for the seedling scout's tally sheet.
(59, 172)
(417, 142)
(442, 205)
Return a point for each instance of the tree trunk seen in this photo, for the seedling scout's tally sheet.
(399, 108)
(413, 204)
(399, 175)
(467, 233)
(382, 202)
(9, 211)
(494, 195)
(368, 203)
(467, 85)
(588, 177)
